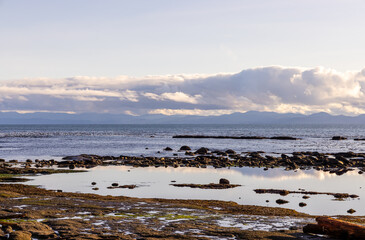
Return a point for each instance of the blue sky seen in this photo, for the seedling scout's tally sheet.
(123, 41)
(62, 38)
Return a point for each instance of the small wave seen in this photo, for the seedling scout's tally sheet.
(61, 134)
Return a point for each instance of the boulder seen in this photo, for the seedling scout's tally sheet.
(202, 150)
(20, 235)
(37, 229)
(185, 148)
(167, 149)
(224, 181)
(230, 151)
(338, 138)
(281, 201)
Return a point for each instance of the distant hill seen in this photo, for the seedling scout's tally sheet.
(251, 117)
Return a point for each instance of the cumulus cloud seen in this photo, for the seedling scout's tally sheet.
(279, 89)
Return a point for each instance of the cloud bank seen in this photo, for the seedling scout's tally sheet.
(278, 89)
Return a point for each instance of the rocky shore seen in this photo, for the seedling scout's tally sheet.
(29, 212)
(337, 163)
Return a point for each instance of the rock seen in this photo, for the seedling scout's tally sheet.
(93, 183)
(351, 211)
(302, 204)
(20, 235)
(37, 229)
(281, 201)
(338, 138)
(306, 197)
(185, 148)
(71, 166)
(7, 229)
(95, 188)
(224, 181)
(189, 153)
(167, 149)
(202, 150)
(284, 138)
(230, 151)
(115, 184)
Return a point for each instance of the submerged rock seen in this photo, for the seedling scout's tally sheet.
(281, 201)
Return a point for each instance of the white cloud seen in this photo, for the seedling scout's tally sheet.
(176, 96)
(279, 89)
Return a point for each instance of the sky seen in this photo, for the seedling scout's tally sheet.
(204, 57)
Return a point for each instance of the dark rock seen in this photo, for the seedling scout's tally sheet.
(7, 229)
(167, 149)
(202, 150)
(95, 188)
(71, 166)
(284, 138)
(281, 201)
(306, 197)
(351, 211)
(338, 138)
(302, 204)
(185, 148)
(230, 151)
(224, 181)
(93, 183)
(115, 184)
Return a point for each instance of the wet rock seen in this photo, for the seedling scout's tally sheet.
(230, 151)
(115, 184)
(20, 235)
(37, 229)
(302, 204)
(351, 211)
(71, 166)
(284, 138)
(224, 181)
(187, 153)
(167, 149)
(95, 188)
(185, 148)
(7, 229)
(202, 150)
(207, 186)
(306, 197)
(281, 201)
(93, 183)
(338, 138)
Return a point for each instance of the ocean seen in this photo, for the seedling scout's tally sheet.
(23, 142)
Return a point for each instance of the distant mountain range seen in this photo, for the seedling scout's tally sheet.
(251, 117)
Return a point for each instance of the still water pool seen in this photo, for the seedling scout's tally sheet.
(155, 183)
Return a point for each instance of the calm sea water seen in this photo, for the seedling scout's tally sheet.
(55, 141)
